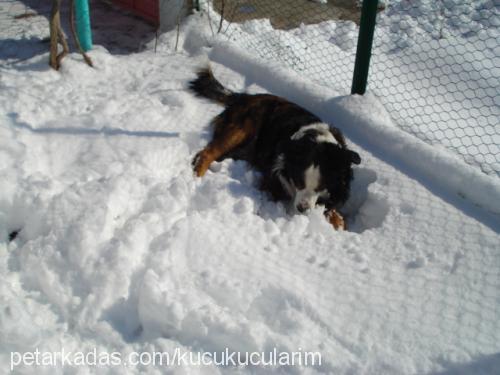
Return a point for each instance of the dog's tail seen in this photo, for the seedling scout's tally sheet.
(206, 86)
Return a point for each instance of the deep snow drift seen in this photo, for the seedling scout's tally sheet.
(122, 249)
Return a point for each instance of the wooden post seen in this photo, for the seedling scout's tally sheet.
(56, 36)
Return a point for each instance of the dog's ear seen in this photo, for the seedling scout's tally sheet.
(339, 137)
(354, 157)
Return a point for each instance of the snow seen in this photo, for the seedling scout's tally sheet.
(121, 249)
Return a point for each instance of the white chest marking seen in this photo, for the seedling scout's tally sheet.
(308, 196)
(322, 129)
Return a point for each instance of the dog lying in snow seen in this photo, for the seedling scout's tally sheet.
(302, 159)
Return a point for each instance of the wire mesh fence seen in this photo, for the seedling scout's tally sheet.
(436, 68)
(308, 36)
(435, 64)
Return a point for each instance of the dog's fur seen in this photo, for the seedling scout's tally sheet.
(301, 158)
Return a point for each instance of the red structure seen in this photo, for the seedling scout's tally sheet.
(147, 9)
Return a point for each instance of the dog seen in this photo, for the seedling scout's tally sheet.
(301, 158)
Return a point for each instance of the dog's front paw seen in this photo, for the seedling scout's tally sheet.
(200, 164)
(335, 219)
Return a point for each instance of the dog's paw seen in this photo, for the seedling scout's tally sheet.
(335, 219)
(200, 165)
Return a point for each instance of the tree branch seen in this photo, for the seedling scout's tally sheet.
(55, 21)
(223, 4)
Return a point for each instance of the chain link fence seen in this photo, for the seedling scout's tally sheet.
(436, 68)
(310, 37)
(435, 64)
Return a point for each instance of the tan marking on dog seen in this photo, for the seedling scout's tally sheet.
(334, 218)
(229, 138)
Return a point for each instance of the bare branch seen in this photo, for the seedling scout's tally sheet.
(157, 31)
(56, 36)
(210, 18)
(64, 43)
(179, 23)
(230, 17)
(223, 4)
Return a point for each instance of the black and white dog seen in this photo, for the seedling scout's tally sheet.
(301, 158)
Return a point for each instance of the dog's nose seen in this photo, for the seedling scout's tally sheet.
(302, 207)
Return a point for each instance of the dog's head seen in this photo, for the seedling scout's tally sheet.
(314, 168)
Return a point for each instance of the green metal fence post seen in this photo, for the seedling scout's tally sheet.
(364, 49)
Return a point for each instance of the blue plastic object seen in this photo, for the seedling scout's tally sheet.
(82, 20)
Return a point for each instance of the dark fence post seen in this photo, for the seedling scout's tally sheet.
(364, 49)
